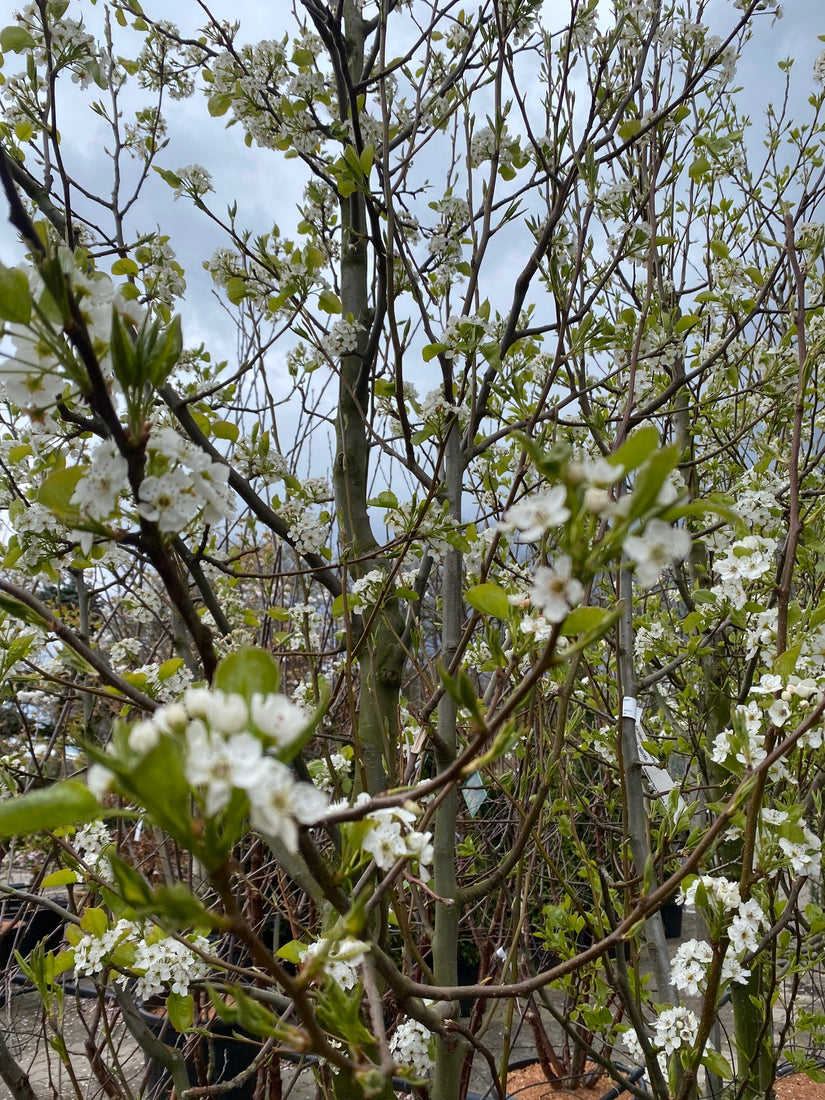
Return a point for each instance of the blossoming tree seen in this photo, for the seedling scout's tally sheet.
(539, 651)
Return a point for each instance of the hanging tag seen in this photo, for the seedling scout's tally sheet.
(475, 793)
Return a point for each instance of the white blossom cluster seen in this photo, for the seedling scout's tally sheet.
(91, 842)
(742, 921)
(688, 968)
(162, 964)
(44, 367)
(307, 625)
(412, 1045)
(186, 483)
(70, 45)
(162, 275)
(341, 959)
(392, 837)
(747, 559)
(308, 533)
(160, 65)
(342, 338)
(675, 1028)
(251, 80)
(230, 746)
(774, 702)
(325, 773)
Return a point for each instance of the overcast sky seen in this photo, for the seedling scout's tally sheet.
(267, 187)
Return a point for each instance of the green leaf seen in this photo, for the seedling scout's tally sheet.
(95, 921)
(366, 159)
(158, 350)
(719, 249)
(431, 350)
(246, 671)
(15, 296)
(56, 491)
(703, 595)
(125, 266)
(329, 302)
(168, 668)
(219, 104)
(18, 610)
(717, 1063)
(385, 499)
(64, 877)
(291, 951)
(636, 448)
(687, 322)
(64, 803)
(585, 619)
(15, 39)
(134, 889)
(236, 290)
(179, 906)
(489, 599)
(650, 479)
(629, 128)
(700, 167)
(225, 429)
(172, 178)
(181, 1010)
(785, 664)
(124, 354)
(19, 452)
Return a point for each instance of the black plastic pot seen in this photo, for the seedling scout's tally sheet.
(24, 924)
(210, 1059)
(672, 913)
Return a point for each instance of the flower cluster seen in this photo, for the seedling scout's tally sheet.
(412, 1046)
(675, 1028)
(368, 589)
(230, 746)
(748, 559)
(162, 963)
(340, 959)
(183, 482)
(92, 843)
(194, 181)
(391, 837)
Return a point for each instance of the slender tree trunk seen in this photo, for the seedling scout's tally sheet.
(636, 811)
(380, 654)
(449, 1056)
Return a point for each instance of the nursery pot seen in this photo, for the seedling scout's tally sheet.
(24, 924)
(672, 913)
(210, 1059)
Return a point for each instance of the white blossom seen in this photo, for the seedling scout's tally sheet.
(660, 545)
(555, 590)
(534, 515)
